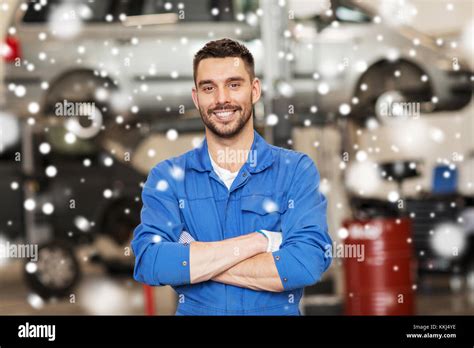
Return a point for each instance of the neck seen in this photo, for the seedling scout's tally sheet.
(231, 153)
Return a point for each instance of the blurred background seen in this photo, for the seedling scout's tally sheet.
(94, 93)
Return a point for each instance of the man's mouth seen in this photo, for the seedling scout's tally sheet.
(225, 114)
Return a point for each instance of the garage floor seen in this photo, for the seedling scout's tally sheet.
(97, 293)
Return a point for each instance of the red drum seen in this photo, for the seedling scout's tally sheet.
(380, 281)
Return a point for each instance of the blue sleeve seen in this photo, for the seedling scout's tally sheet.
(159, 258)
(303, 256)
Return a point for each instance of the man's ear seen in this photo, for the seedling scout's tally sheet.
(256, 90)
(195, 97)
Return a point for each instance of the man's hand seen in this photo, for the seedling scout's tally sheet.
(257, 273)
(212, 258)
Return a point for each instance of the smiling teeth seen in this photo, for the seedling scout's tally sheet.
(223, 113)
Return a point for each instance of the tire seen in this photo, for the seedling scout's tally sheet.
(94, 121)
(381, 82)
(56, 271)
(76, 93)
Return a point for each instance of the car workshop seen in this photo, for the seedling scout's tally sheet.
(97, 95)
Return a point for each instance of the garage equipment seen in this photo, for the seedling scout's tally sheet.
(381, 282)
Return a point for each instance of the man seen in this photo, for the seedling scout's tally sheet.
(236, 226)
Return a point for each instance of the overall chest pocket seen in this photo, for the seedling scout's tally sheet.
(263, 211)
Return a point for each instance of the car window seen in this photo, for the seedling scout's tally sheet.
(85, 10)
(352, 11)
(351, 14)
(245, 6)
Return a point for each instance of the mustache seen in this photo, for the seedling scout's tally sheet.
(224, 107)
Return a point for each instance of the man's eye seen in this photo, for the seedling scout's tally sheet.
(234, 85)
(208, 88)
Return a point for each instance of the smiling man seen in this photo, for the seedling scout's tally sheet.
(235, 226)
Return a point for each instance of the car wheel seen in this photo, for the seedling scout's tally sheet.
(86, 127)
(80, 100)
(396, 82)
(386, 108)
(55, 272)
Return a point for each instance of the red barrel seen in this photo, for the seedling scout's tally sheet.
(382, 281)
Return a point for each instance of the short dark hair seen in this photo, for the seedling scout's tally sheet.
(224, 48)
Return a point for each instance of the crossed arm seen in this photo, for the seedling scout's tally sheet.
(240, 261)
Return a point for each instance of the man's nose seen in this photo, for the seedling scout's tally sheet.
(222, 96)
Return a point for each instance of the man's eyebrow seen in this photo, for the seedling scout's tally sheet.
(230, 79)
(235, 78)
(204, 82)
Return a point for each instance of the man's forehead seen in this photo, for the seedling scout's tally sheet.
(220, 69)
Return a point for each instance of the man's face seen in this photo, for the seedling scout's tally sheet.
(224, 95)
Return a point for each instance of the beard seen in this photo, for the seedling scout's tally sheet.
(232, 128)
